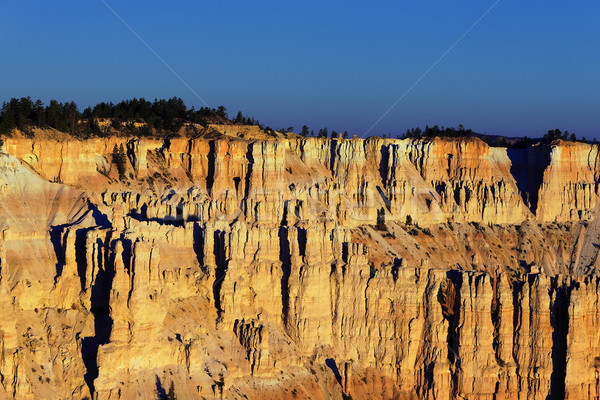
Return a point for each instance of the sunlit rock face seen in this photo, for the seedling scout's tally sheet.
(270, 268)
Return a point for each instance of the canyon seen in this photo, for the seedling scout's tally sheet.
(246, 266)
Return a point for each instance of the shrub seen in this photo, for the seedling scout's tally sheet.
(119, 158)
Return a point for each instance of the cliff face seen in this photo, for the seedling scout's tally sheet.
(298, 268)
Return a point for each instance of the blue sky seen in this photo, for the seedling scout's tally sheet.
(529, 66)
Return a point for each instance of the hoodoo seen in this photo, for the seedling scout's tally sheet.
(242, 265)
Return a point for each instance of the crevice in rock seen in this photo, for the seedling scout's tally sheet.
(495, 316)
(449, 158)
(127, 254)
(189, 160)
(455, 281)
(100, 218)
(80, 254)
(58, 243)
(384, 198)
(517, 296)
(284, 218)
(286, 267)
(220, 270)
(302, 241)
(132, 262)
(345, 246)
(527, 168)
(560, 328)
(331, 364)
(210, 176)
(332, 154)
(395, 268)
(384, 164)
(130, 146)
(161, 393)
(248, 177)
(198, 245)
(100, 308)
(179, 218)
(168, 220)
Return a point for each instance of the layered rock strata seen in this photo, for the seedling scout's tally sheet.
(298, 268)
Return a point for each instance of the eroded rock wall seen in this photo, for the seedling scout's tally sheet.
(297, 268)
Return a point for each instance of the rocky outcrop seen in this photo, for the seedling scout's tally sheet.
(298, 268)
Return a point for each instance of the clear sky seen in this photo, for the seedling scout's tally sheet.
(527, 67)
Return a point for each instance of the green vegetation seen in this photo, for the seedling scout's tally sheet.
(495, 141)
(21, 113)
(557, 134)
(241, 119)
(139, 117)
(436, 131)
(159, 116)
(516, 144)
(119, 158)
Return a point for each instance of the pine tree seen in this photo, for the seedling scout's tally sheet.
(119, 158)
(94, 127)
(239, 119)
(304, 131)
(222, 112)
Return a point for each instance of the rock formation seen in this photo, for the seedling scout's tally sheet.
(249, 267)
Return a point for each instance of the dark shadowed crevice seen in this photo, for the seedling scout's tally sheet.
(517, 297)
(560, 326)
(221, 269)
(456, 194)
(330, 363)
(179, 219)
(451, 305)
(100, 308)
(384, 164)
(210, 176)
(345, 246)
(248, 177)
(286, 267)
(302, 242)
(127, 254)
(384, 198)
(198, 235)
(284, 218)
(81, 255)
(56, 237)
(395, 268)
(168, 220)
(440, 188)
(161, 393)
(527, 168)
(496, 321)
(332, 154)
(100, 218)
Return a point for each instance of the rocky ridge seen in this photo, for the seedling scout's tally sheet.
(299, 268)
